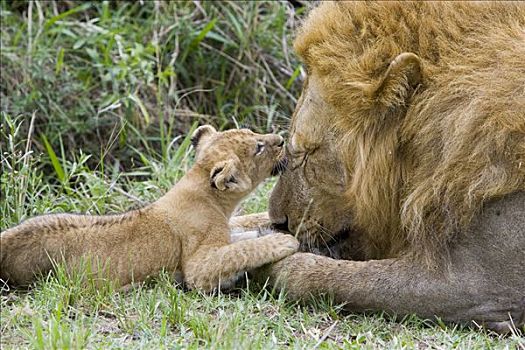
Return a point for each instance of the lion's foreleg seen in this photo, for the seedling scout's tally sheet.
(398, 286)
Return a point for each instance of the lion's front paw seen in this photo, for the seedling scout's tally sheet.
(200, 283)
(284, 245)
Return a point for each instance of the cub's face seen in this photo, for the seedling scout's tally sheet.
(237, 160)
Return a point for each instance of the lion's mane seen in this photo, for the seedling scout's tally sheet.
(422, 161)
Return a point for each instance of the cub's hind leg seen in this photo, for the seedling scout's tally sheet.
(212, 266)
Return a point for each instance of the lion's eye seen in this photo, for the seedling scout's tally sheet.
(299, 158)
(259, 148)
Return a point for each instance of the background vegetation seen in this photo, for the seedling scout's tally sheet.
(96, 102)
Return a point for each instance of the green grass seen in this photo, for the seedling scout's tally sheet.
(96, 101)
(111, 78)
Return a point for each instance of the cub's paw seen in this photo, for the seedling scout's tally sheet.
(284, 244)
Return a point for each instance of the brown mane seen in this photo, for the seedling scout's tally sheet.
(423, 161)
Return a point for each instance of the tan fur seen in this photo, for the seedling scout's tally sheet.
(434, 149)
(186, 230)
(407, 145)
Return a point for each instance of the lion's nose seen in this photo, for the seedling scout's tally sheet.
(280, 143)
(282, 225)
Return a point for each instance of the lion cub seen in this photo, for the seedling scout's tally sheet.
(185, 231)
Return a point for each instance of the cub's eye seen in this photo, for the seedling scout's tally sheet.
(259, 148)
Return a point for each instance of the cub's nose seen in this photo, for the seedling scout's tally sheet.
(274, 140)
(278, 141)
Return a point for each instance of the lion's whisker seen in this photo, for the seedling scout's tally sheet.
(326, 231)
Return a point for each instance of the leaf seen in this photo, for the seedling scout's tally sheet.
(78, 44)
(196, 41)
(60, 60)
(185, 144)
(234, 20)
(221, 39)
(63, 15)
(54, 160)
(92, 53)
(294, 76)
(142, 108)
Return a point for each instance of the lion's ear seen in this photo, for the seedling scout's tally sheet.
(227, 176)
(401, 78)
(200, 135)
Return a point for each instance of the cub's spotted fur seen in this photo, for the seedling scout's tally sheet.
(185, 231)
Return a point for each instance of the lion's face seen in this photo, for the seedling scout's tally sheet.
(344, 175)
(309, 197)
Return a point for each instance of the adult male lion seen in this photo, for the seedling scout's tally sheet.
(407, 146)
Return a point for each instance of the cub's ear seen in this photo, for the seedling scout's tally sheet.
(403, 76)
(201, 134)
(227, 176)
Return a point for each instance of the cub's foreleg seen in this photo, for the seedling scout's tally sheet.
(248, 222)
(212, 266)
(250, 226)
